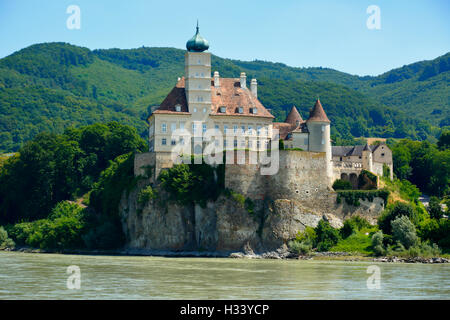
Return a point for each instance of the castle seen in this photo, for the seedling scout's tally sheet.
(200, 103)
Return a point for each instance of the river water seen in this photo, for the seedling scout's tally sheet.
(44, 276)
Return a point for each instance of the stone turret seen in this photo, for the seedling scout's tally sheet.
(367, 158)
(319, 134)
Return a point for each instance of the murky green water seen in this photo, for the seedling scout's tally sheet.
(43, 276)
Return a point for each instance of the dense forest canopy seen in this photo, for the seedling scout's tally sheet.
(52, 86)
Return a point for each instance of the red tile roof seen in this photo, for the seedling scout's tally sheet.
(175, 97)
(229, 94)
(294, 116)
(317, 113)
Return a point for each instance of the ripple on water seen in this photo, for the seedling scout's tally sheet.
(43, 276)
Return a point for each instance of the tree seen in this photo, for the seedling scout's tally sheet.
(434, 208)
(404, 231)
(327, 236)
(444, 140)
(392, 212)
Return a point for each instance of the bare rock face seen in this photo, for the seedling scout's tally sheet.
(225, 226)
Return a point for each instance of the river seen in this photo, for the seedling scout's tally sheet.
(44, 276)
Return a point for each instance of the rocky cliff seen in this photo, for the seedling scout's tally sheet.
(225, 225)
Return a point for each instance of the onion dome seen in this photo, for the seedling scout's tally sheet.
(317, 113)
(197, 43)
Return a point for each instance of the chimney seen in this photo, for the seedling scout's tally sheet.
(254, 87)
(216, 79)
(243, 80)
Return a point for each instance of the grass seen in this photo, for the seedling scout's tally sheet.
(358, 242)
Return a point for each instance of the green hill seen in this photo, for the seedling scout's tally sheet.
(50, 86)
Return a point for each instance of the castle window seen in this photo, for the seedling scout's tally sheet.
(235, 129)
(194, 127)
(266, 129)
(241, 110)
(258, 130)
(258, 144)
(243, 129)
(254, 110)
(173, 142)
(204, 110)
(181, 125)
(250, 130)
(225, 129)
(250, 144)
(223, 109)
(195, 109)
(204, 128)
(182, 141)
(243, 143)
(177, 108)
(323, 141)
(217, 127)
(235, 143)
(173, 126)
(164, 141)
(164, 127)
(323, 129)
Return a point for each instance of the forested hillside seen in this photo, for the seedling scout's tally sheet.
(50, 86)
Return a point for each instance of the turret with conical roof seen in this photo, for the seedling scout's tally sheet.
(294, 117)
(317, 113)
(197, 43)
(319, 133)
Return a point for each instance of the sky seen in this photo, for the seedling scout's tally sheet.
(299, 33)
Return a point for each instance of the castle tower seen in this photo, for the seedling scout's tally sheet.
(367, 158)
(319, 134)
(198, 77)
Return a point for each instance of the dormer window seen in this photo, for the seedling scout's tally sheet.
(177, 108)
(223, 109)
(241, 110)
(254, 110)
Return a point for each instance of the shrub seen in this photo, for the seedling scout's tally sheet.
(194, 183)
(352, 225)
(5, 241)
(394, 211)
(327, 236)
(146, 194)
(367, 180)
(303, 242)
(434, 208)
(299, 247)
(342, 185)
(436, 231)
(377, 243)
(404, 231)
(309, 234)
(62, 229)
(352, 197)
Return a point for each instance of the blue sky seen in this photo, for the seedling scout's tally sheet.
(298, 33)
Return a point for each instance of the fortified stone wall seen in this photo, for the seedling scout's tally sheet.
(301, 176)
